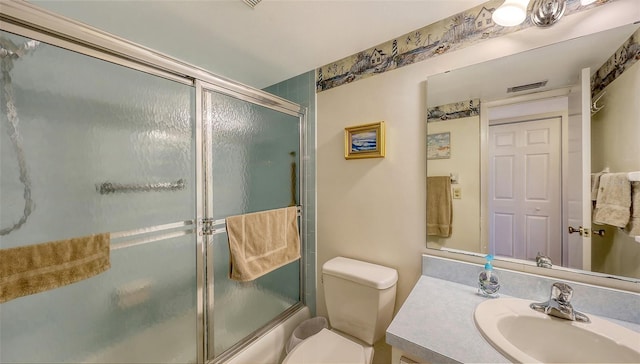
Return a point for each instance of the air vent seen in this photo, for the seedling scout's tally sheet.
(530, 86)
(252, 3)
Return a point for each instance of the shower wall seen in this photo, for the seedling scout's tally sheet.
(84, 122)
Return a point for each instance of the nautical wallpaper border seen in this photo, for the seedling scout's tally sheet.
(449, 34)
(625, 57)
(456, 110)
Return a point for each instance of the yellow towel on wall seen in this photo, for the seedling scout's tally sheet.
(35, 268)
(439, 206)
(261, 242)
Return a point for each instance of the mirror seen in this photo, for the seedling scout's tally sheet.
(474, 112)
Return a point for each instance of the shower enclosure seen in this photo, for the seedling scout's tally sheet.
(91, 142)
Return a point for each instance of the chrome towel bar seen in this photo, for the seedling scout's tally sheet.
(219, 226)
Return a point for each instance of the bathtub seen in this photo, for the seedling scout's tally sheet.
(173, 341)
(269, 348)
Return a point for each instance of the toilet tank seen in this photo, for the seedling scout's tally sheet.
(360, 297)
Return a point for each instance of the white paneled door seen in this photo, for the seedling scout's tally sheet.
(525, 194)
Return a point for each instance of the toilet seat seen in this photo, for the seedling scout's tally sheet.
(327, 347)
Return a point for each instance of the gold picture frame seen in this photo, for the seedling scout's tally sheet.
(364, 141)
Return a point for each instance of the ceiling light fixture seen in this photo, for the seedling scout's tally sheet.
(587, 2)
(545, 13)
(252, 3)
(511, 13)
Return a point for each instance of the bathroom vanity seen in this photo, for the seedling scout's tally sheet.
(435, 325)
(436, 322)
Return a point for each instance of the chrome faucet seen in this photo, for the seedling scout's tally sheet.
(559, 304)
(543, 261)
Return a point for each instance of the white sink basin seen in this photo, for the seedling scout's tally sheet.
(527, 336)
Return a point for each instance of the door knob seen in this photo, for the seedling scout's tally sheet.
(574, 230)
(582, 231)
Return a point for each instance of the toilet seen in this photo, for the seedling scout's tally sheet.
(360, 298)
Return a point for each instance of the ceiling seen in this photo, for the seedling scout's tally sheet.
(275, 41)
(490, 80)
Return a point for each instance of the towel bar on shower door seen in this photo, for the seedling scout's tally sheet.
(213, 227)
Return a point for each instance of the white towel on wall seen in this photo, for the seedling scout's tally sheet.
(595, 185)
(613, 205)
(633, 228)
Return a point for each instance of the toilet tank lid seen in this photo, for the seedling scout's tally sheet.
(368, 274)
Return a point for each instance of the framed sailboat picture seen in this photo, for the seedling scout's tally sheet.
(364, 141)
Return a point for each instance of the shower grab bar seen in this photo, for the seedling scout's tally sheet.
(219, 226)
(109, 187)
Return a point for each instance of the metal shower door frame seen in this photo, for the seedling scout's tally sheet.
(204, 200)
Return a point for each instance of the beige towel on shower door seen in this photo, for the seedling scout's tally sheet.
(261, 242)
(439, 206)
(35, 268)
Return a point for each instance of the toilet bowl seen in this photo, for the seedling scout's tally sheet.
(329, 347)
(360, 298)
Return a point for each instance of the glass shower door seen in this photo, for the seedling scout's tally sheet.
(255, 154)
(93, 147)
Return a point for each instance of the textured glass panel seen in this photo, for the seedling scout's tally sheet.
(242, 308)
(142, 310)
(69, 123)
(83, 122)
(254, 151)
(255, 156)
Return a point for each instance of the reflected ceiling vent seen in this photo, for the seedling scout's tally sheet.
(252, 3)
(526, 87)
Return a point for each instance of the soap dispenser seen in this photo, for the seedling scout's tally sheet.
(487, 280)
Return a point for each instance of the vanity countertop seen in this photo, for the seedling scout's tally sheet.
(435, 324)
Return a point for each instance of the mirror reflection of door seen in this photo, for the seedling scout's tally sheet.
(528, 165)
(525, 188)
